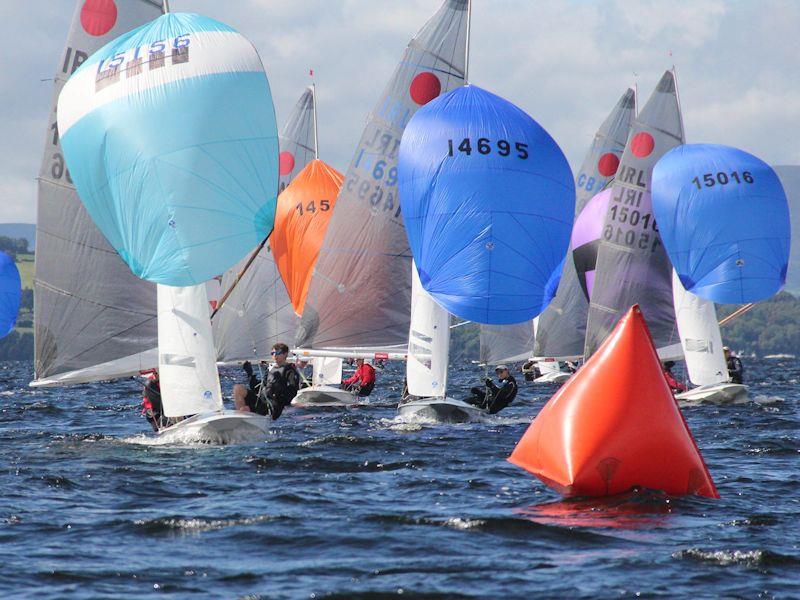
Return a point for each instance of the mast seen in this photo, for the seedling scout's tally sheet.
(166, 6)
(466, 52)
(316, 135)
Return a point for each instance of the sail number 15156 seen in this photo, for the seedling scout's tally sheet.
(486, 146)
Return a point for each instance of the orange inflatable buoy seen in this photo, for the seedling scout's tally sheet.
(301, 219)
(615, 426)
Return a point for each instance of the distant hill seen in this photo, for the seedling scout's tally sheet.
(20, 230)
(790, 178)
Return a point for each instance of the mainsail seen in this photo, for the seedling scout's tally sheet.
(562, 326)
(361, 290)
(93, 319)
(507, 343)
(297, 143)
(258, 312)
(632, 265)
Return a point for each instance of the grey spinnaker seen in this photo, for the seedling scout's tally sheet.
(258, 312)
(297, 144)
(790, 179)
(632, 265)
(562, 326)
(507, 343)
(360, 294)
(93, 319)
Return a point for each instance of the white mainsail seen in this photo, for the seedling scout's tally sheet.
(428, 344)
(186, 360)
(93, 319)
(700, 336)
(327, 370)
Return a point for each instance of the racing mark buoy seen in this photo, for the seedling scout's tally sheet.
(615, 426)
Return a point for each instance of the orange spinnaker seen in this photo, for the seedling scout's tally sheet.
(615, 426)
(301, 218)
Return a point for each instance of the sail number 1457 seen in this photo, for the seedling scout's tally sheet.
(722, 178)
(485, 146)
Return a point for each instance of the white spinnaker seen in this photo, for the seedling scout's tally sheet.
(327, 371)
(428, 343)
(700, 336)
(186, 356)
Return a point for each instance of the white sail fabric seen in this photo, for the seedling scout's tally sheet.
(632, 265)
(790, 179)
(187, 364)
(297, 139)
(562, 327)
(93, 318)
(700, 336)
(258, 313)
(327, 370)
(428, 344)
(360, 294)
(547, 367)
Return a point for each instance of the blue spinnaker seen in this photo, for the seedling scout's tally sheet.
(10, 293)
(724, 221)
(169, 135)
(487, 199)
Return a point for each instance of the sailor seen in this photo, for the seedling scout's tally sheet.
(735, 367)
(271, 396)
(151, 400)
(531, 371)
(495, 398)
(363, 380)
(675, 385)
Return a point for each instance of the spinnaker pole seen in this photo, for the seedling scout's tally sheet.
(239, 277)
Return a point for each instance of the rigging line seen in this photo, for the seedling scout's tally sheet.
(239, 276)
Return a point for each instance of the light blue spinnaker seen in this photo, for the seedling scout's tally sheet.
(487, 200)
(724, 221)
(169, 134)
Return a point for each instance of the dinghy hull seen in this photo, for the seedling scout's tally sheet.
(553, 378)
(720, 393)
(442, 410)
(324, 395)
(219, 427)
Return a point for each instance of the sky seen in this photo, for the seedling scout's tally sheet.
(564, 62)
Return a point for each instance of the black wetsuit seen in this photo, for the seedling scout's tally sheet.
(276, 393)
(499, 397)
(152, 394)
(735, 369)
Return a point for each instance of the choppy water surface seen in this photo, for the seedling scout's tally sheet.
(353, 504)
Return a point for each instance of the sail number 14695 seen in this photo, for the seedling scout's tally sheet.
(485, 146)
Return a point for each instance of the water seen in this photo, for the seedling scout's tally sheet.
(353, 504)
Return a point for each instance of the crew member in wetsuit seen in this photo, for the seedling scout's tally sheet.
(151, 401)
(363, 380)
(735, 367)
(271, 396)
(499, 396)
(674, 385)
(531, 371)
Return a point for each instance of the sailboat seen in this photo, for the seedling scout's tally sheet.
(358, 303)
(727, 234)
(157, 180)
(486, 194)
(632, 266)
(558, 333)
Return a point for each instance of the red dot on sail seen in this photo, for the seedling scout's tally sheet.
(642, 144)
(98, 16)
(607, 165)
(424, 88)
(285, 163)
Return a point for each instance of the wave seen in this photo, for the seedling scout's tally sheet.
(737, 557)
(198, 524)
(320, 464)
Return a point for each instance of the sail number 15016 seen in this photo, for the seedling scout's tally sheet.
(486, 146)
(722, 178)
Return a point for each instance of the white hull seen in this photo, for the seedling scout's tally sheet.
(715, 392)
(443, 410)
(219, 427)
(324, 395)
(555, 378)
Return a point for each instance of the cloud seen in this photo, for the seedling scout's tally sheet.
(566, 63)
